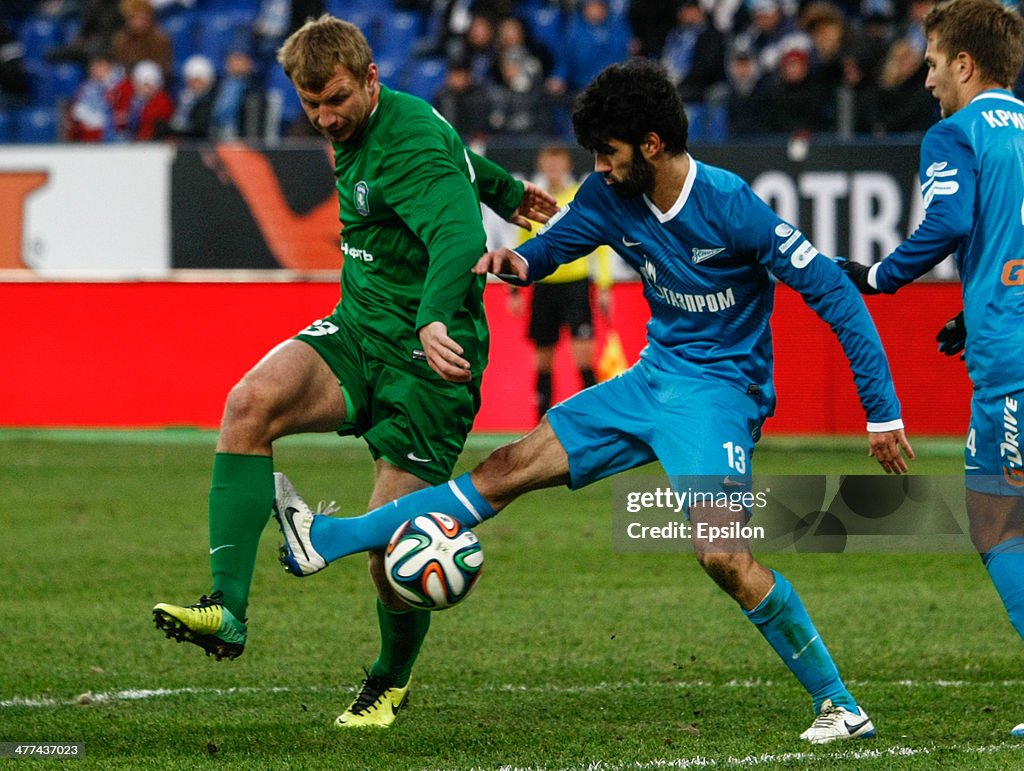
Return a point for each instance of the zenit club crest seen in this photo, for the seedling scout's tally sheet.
(362, 198)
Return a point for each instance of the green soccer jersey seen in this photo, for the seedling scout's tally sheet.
(410, 194)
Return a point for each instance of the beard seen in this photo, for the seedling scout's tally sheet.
(639, 180)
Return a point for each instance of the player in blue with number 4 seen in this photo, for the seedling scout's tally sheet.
(707, 249)
(972, 179)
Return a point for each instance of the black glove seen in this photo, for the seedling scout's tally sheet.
(953, 336)
(858, 274)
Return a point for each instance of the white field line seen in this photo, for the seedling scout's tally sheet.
(141, 694)
(816, 759)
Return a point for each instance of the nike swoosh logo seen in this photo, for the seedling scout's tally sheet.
(289, 516)
(800, 652)
(222, 546)
(412, 456)
(629, 243)
(971, 468)
(856, 727)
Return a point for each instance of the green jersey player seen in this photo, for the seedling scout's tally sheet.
(398, 362)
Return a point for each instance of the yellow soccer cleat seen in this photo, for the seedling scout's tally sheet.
(376, 705)
(207, 624)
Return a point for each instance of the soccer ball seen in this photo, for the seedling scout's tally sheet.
(432, 561)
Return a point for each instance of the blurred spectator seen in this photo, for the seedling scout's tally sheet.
(161, 5)
(825, 25)
(912, 28)
(275, 20)
(463, 102)
(194, 111)
(594, 41)
(798, 102)
(99, 112)
(694, 53)
(517, 100)
(14, 81)
(650, 21)
(239, 105)
(904, 104)
(151, 106)
(476, 49)
(99, 20)
(861, 85)
(141, 38)
(770, 25)
(513, 34)
(745, 99)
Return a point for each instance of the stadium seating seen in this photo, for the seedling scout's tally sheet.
(39, 34)
(281, 96)
(546, 26)
(54, 83)
(35, 125)
(221, 31)
(397, 35)
(425, 77)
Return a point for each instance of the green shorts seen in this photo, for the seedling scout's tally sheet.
(414, 422)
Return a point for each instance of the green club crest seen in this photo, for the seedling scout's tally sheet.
(362, 198)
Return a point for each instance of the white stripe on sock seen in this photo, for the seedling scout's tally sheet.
(465, 501)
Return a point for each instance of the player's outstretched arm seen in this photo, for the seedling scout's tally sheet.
(888, 448)
(504, 263)
(537, 205)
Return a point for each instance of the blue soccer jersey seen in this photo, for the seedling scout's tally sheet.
(972, 179)
(707, 267)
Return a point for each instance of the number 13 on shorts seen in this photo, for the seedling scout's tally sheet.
(736, 457)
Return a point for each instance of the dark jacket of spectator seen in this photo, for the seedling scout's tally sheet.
(14, 80)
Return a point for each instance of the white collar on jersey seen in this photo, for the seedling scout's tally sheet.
(684, 194)
(997, 93)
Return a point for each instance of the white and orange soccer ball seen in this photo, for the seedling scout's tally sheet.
(432, 561)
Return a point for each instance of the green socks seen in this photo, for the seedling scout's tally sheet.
(401, 636)
(241, 499)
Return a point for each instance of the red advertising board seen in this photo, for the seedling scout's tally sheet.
(155, 354)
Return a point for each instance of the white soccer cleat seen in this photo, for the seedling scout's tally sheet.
(834, 723)
(295, 519)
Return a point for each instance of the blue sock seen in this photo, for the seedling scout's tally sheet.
(783, 621)
(337, 537)
(1005, 565)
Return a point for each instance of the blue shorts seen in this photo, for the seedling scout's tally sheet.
(693, 427)
(992, 456)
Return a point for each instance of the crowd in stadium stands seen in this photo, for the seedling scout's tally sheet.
(135, 70)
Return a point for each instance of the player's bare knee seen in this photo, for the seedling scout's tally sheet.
(727, 569)
(247, 415)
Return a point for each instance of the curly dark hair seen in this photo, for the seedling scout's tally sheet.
(626, 102)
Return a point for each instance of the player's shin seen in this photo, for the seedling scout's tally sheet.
(1005, 565)
(401, 636)
(337, 537)
(241, 497)
(783, 621)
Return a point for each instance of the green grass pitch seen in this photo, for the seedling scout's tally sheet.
(567, 656)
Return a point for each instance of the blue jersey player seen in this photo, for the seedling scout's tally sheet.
(707, 249)
(972, 179)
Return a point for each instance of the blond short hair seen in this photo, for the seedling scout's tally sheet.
(313, 53)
